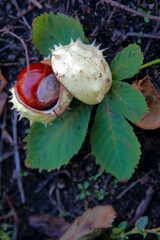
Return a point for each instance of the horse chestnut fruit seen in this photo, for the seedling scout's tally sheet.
(45, 90)
(38, 95)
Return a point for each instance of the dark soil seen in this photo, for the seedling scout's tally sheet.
(55, 192)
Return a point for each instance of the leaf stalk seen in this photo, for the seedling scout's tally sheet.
(150, 63)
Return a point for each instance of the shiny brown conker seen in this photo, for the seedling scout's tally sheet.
(38, 86)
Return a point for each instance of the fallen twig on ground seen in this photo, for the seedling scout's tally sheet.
(15, 217)
(25, 11)
(132, 185)
(6, 155)
(51, 177)
(137, 13)
(6, 47)
(143, 35)
(1, 148)
(142, 206)
(9, 64)
(6, 135)
(6, 30)
(111, 14)
(19, 11)
(16, 155)
(150, 41)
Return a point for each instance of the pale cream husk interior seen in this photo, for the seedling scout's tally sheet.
(42, 116)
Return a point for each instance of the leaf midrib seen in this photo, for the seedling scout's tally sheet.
(126, 104)
(108, 114)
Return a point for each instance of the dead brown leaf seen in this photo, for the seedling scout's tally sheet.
(3, 81)
(91, 224)
(3, 99)
(150, 120)
(52, 226)
(3, 95)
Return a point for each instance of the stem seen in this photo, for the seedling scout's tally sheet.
(135, 231)
(118, 5)
(150, 63)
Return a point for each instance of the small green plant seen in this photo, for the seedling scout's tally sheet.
(115, 183)
(96, 177)
(113, 142)
(84, 190)
(24, 174)
(100, 193)
(146, 19)
(6, 231)
(120, 232)
(139, 40)
(63, 214)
